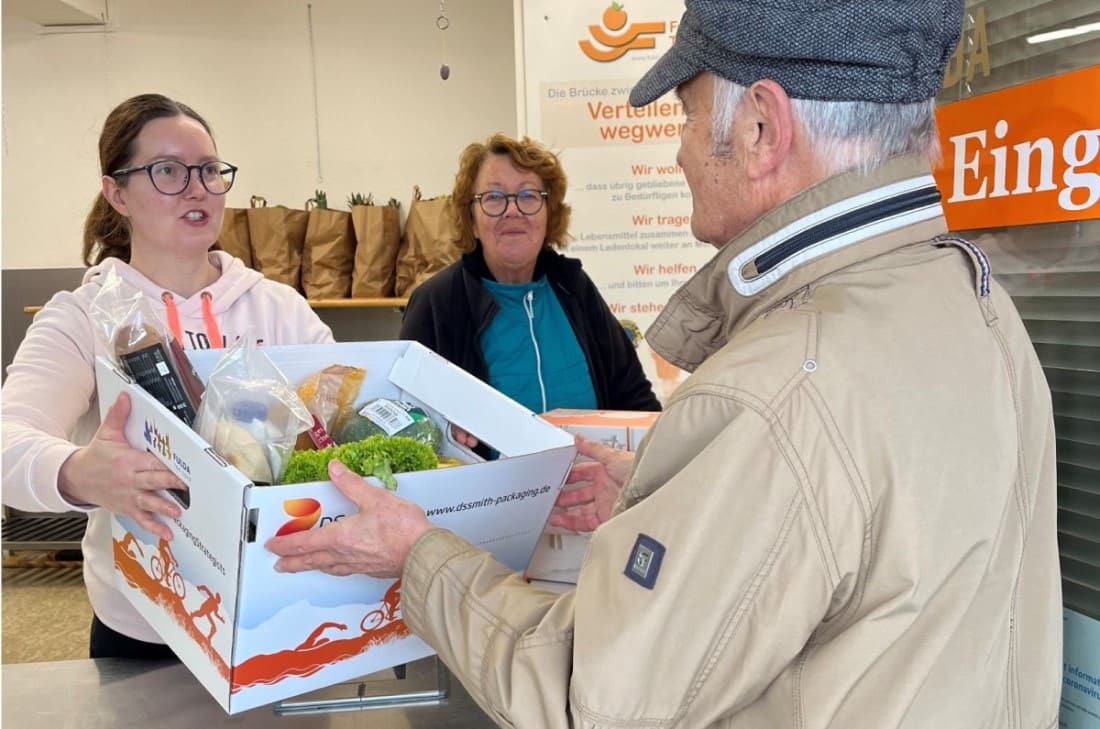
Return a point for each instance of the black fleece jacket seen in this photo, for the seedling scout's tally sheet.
(449, 312)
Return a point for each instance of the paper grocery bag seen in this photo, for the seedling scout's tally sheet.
(328, 256)
(277, 235)
(234, 238)
(377, 238)
(429, 244)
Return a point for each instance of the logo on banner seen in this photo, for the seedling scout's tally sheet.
(1024, 155)
(615, 38)
(306, 513)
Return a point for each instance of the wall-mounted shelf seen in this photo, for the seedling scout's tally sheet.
(396, 302)
(393, 301)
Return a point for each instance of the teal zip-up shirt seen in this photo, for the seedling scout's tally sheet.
(533, 354)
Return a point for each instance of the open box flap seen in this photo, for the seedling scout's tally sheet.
(496, 419)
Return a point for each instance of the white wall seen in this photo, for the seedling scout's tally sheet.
(387, 120)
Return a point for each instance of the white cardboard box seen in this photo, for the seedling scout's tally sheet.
(253, 636)
(560, 551)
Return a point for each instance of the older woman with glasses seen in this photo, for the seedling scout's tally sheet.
(154, 223)
(513, 311)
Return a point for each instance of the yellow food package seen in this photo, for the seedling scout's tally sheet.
(329, 394)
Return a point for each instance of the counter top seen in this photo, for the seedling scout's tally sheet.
(120, 694)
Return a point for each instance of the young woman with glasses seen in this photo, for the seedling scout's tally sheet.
(154, 223)
(513, 311)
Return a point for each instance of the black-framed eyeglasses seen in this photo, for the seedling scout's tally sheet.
(171, 177)
(495, 203)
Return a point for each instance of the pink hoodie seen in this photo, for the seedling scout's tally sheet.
(49, 398)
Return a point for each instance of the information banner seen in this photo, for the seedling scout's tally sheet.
(1080, 672)
(631, 221)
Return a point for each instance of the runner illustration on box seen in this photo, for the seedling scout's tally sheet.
(209, 609)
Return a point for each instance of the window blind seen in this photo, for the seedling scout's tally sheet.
(1052, 273)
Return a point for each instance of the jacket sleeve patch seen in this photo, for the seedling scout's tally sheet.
(645, 561)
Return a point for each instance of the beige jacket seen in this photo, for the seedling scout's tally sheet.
(844, 518)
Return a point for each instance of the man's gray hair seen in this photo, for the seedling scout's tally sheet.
(845, 135)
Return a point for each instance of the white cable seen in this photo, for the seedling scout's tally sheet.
(530, 309)
(316, 107)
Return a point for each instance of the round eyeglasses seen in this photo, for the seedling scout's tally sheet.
(170, 177)
(495, 203)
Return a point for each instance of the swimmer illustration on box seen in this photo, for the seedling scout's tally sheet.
(315, 638)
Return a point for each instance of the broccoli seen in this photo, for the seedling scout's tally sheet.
(379, 456)
(360, 423)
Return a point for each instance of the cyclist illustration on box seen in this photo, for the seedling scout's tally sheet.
(209, 609)
(165, 568)
(391, 605)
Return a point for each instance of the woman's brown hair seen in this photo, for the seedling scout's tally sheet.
(106, 232)
(525, 154)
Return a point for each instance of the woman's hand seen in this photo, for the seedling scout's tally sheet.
(586, 507)
(461, 437)
(375, 541)
(109, 473)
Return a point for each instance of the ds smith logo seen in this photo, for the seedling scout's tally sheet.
(617, 38)
(305, 513)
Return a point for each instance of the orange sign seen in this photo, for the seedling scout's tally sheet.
(616, 44)
(1024, 155)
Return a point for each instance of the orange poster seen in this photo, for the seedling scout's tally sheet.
(1024, 155)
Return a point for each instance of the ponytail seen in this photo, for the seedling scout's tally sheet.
(106, 234)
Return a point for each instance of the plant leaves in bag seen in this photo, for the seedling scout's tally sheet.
(328, 256)
(277, 235)
(429, 244)
(377, 239)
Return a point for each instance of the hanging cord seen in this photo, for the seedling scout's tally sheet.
(316, 112)
(173, 316)
(212, 330)
(443, 22)
(528, 307)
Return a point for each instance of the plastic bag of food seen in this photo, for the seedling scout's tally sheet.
(388, 417)
(142, 346)
(250, 414)
(329, 395)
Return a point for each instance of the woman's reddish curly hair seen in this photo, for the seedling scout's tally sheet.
(525, 154)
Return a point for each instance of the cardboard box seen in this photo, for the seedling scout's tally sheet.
(253, 636)
(560, 551)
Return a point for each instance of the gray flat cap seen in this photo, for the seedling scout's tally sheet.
(889, 51)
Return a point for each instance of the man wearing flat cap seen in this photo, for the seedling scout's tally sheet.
(845, 517)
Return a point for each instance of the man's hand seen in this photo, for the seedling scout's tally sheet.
(584, 508)
(374, 541)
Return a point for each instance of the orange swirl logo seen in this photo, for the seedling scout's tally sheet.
(306, 512)
(636, 36)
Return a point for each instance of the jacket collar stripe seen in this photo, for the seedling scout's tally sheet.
(837, 226)
(983, 263)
